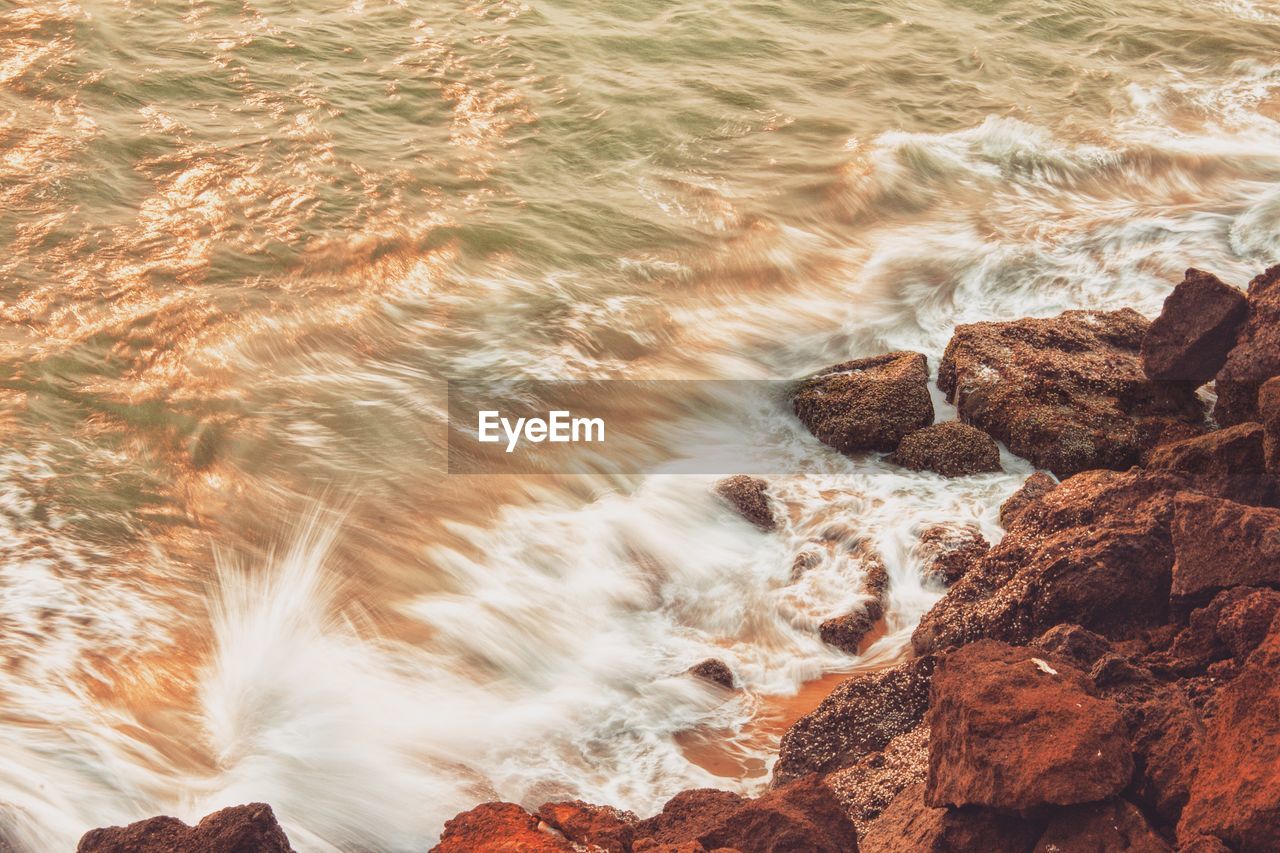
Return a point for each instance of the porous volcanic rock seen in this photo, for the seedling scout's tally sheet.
(749, 496)
(1033, 489)
(1011, 730)
(949, 550)
(1196, 329)
(1230, 626)
(1235, 796)
(867, 404)
(1167, 732)
(1220, 543)
(847, 632)
(1256, 355)
(804, 815)
(714, 671)
(603, 827)
(1071, 642)
(866, 787)
(1067, 392)
(1100, 828)
(1269, 414)
(1227, 463)
(1095, 552)
(909, 824)
(250, 828)
(860, 716)
(952, 449)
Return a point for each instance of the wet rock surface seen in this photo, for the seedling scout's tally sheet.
(750, 497)
(952, 449)
(1036, 486)
(1256, 356)
(867, 404)
(1068, 392)
(948, 551)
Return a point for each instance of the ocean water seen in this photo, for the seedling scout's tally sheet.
(246, 244)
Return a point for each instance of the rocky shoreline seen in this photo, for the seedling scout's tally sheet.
(1106, 677)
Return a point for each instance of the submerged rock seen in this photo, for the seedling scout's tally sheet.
(1256, 355)
(1196, 329)
(1220, 543)
(848, 631)
(750, 497)
(867, 404)
(1035, 487)
(1014, 731)
(1068, 392)
(948, 551)
(250, 828)
(1235, 796)
(714, 671)
(952, 449)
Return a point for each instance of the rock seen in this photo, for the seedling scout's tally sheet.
(1036, 486)
(847, 632)
(948, 551)
(804, 815)
(1068, 392)
(1231, 626)
(1235, 796)
(603, 827)
(714, 671)
(952, 449)
(1095, 552)
(860, 716)
(1256, 355)
(866, 787)
(1269, 414)
(1196, 329)
(1227, 463)
(1071, 642)
(1013, 731)
(1220, 543)
(867, 404)
(909, 824)
(499, 827)
(1167, 732)
(1100, 828)
(749, 496)
(250, 828)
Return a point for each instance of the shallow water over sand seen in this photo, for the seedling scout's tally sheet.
(247, 244)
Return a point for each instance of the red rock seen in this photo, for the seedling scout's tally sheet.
(952, 449)
(1256, 355)
(602, 826)
(866, 787)
(1235, 795)
(714, 671)
(847, 632)
(908, 824)
(860, 716)
(1013, 731)
(1231, 625)
(1100, 828)
(1068, 392)
(1220, 543)
(948, 551)
(1269, 414)
(250, 828)
(1095, 551)
(500, 828)
(1167, 732)
(1078, 645)
(867, 404)
(1036, 486)
(804, 815)
(1226, 463)
(1196, 329)
(749, 496)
